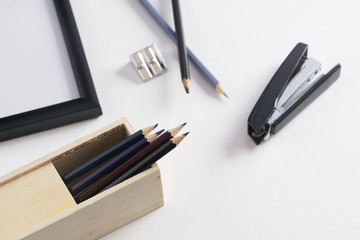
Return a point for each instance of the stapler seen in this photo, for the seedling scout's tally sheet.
(296, 83)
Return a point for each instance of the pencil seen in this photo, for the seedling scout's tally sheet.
(107, 154)
(180, 41)
(171, 34)
(108, 178)
(149, 160)
(112, 163)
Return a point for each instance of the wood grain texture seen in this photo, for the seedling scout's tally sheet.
(32, 199)
(104, 212)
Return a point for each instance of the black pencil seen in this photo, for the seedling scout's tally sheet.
(107, 154)
(113, 175)
(112, 163)
(181, 46)
(149, 160)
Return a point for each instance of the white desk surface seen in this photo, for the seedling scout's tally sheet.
(303, 183)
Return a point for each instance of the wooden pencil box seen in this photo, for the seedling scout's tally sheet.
(35, 204)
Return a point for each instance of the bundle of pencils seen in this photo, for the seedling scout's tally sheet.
(125, 159)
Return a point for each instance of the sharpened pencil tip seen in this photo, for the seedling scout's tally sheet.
(183, 124)
(159, 132)
(186, 82)
(155, 125)
(219, 88)
(186, 133)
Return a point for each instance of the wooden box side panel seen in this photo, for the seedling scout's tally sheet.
(106, 211)
(91, 146)
(32, 199)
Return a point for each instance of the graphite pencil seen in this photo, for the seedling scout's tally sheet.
(112, 163)
(171, 34)
(107, 154)
(110, 177)
(149, 160)
(180, 42)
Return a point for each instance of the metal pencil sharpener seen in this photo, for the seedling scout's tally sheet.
(148, 62)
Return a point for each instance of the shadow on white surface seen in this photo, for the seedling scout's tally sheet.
(127, 71)
(239, 141)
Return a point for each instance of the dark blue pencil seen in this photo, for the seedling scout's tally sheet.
(148, 161)
(107, 154)
(113, 163)
(122, 168)
(172, 35)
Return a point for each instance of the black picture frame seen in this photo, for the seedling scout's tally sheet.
(85, 107)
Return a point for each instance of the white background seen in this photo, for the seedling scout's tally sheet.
(35, 70)
(303, 183)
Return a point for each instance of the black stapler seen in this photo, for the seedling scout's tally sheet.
(296, 83)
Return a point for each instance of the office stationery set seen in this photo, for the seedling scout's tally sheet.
(112, 173)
